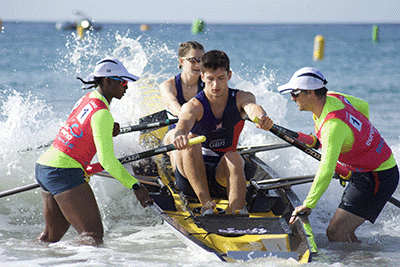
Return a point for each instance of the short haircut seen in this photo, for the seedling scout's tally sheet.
(184, 48)
(213, 60)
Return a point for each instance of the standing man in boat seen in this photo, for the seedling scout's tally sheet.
(214, 168)
(342, 126)
(179, 89)
(67, 196)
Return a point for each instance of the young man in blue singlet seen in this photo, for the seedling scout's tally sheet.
(67, 197)
(177, 90)
(346, 134)
(214, 168)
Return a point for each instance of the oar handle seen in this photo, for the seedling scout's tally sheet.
(310, 140)
(95, 168)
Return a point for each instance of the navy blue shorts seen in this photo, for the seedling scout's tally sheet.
(216, 190)
(367, 192)
(58, 180)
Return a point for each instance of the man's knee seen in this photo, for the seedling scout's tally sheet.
(233, 159)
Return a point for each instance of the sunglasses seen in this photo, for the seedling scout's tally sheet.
(121, 81)
(296, 93)
(193, 60)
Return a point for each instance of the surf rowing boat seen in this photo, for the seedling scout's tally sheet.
(264, 232)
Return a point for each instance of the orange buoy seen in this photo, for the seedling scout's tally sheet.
(80, 31)
(144, 27)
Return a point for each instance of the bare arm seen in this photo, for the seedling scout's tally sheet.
(191, 112)
(168, 96)
(246, 102)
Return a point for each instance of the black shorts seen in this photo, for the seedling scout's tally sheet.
(58, 180)
(367, 192)
(216, 190)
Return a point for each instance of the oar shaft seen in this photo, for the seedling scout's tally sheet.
(127, 129)
(284, 135)
(19, 189)
(277, 180)
(95, 168)
(287, 183)
(146, 126)
(36, 185)
(309, 140)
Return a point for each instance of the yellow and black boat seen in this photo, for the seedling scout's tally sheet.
(264, 232)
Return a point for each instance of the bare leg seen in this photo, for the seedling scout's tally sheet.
(190, 164)
(168, 138)
(55, 223)
(77, 207)
(343, 226)
(231, 168)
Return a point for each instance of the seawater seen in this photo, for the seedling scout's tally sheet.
(38, 87)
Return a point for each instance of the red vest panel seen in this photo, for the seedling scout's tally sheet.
(369, 150)
(75, 138)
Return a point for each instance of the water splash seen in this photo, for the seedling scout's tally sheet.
(26, 122)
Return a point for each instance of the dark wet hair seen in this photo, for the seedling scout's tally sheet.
(213, 60)
(184, 48)
(321, 92)
(93, 84)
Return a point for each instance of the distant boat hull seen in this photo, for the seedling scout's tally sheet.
(72, 26)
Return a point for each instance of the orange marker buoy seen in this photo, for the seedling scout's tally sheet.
(319, 43)
(144, 27)
(80, 31)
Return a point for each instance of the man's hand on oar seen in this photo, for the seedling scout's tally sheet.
(263, 122)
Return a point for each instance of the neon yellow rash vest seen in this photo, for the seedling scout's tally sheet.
(101, 124)
(336, 138)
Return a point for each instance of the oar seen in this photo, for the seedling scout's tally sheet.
(19, 189)
(284, 134)
(278, 180)
(96, 168)
(146, 126)
(259, 148)
(145, 154)
(309, 140)
(340, 169)
(283, 184)
(127, 129)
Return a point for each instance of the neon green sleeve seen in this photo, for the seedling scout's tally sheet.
(102, 124)
(338, 135)
(361, 105)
